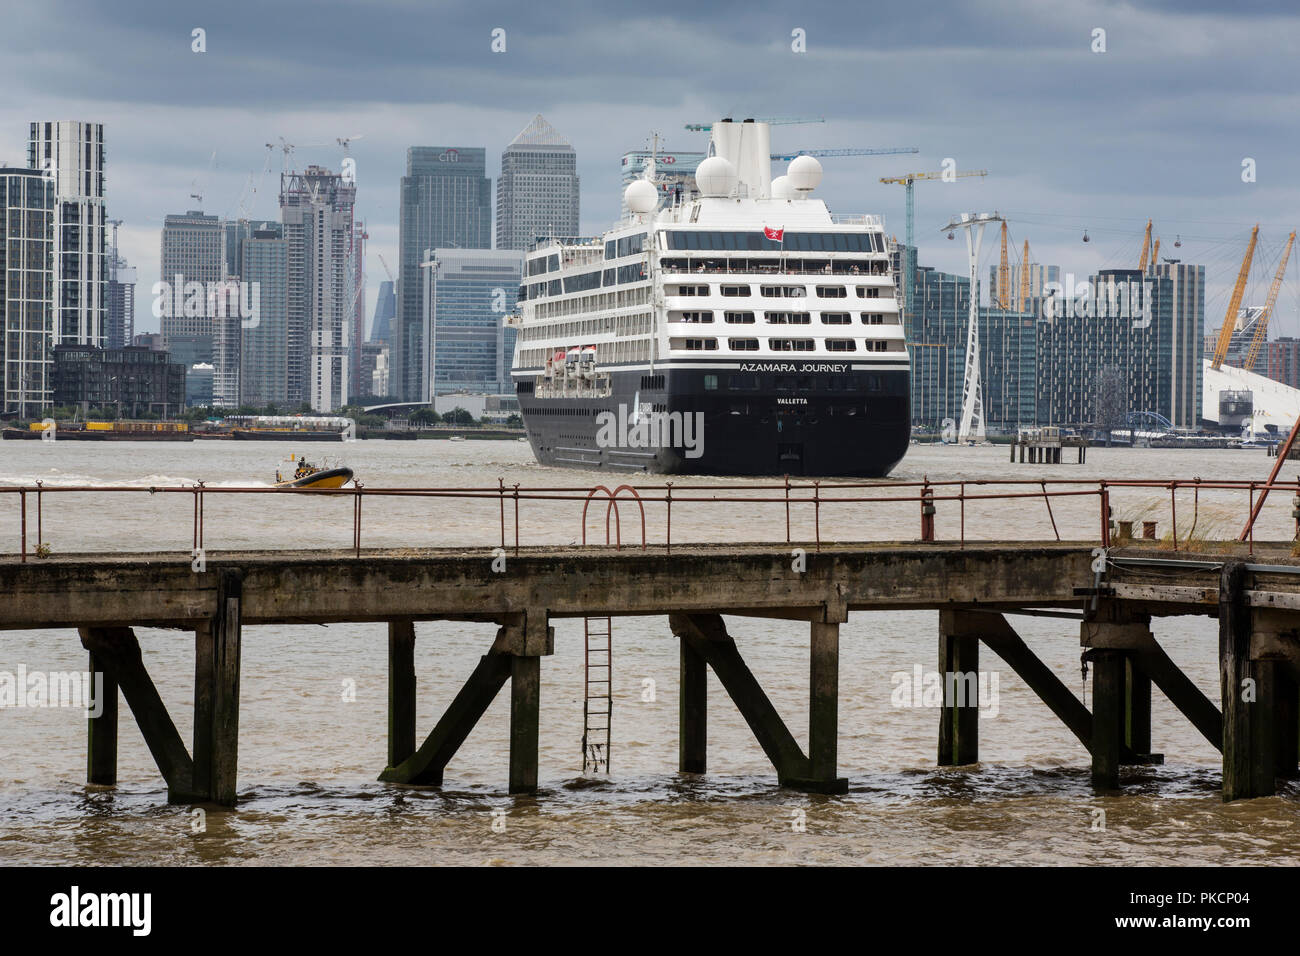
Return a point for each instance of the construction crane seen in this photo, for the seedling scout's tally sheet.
(1230, 322)
(786, 157)
(346, 141)
(286, 148)
(910, 178)
(1024, 277)
(1261, 323)
(1146, 249)
(769, 120)
(1004, 272)
(386, 269)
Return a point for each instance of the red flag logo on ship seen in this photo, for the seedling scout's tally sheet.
(776, 235)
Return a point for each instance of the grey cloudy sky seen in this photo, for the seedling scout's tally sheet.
(1157, 126)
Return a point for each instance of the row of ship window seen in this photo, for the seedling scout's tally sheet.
(779, 345)
(705, 317)
(777, 291)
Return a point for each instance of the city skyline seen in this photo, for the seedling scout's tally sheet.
(1198, 88)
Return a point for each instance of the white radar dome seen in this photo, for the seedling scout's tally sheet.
(805, 174)
(782, 188)
(716, 177)
(641, 196)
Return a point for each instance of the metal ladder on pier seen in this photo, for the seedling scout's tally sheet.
(598, 701)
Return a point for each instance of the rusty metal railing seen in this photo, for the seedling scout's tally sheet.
(816, 496)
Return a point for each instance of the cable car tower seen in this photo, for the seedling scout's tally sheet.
(972, 389)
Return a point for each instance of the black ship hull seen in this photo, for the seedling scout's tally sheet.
(816, 418)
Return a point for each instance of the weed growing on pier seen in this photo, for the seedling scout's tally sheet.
(43, 550)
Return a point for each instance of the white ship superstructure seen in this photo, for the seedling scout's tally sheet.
(748, 304)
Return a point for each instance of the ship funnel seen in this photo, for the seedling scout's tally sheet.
(747, 147)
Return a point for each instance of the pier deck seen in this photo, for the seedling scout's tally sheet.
(1105, 599)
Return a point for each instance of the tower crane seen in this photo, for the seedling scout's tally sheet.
(769, 120)
(1024, 277)
(1261, 323)
(1004, 272)
(890, 151)
(908, 180)
(1230, 322)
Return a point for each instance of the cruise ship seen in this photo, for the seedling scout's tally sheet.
(740, 329)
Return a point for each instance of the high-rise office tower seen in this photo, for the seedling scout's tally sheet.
(264, 348)
(537, 194)
(316, 209)
(119, 304)
(27, 293)
(1183, 341)
(674, 172)
(357, 385)
(445, 202)
(470, 292)
(385, 309)
(72, 154)
(193, 251)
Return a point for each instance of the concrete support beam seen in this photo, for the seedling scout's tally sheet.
(426, 765)
(401, 691)
(959, 718)
(101, 731)
(1002, 639)
(692, 711)
(217, 650)
(707, 635)
(1117, 630)
(117, 652)
(1148, 659)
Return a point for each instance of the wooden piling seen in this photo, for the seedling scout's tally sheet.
(101, 731)
(707, 635)
(823, 702)
(217, 645)
(1248, 758)
(401, 691)
(426, 765)
(117, 651)
(1108, 717)
(692, 711)
(1137, 711)
(959, 717)
(1001, 638)
(525, 697)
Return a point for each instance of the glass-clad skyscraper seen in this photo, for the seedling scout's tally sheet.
(537, 194)
(470, 293)
(445, 203)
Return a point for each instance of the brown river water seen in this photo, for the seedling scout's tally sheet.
(309, 756)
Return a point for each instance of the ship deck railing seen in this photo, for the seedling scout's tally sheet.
(742, 267)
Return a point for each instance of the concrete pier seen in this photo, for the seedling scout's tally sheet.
(974, 588)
